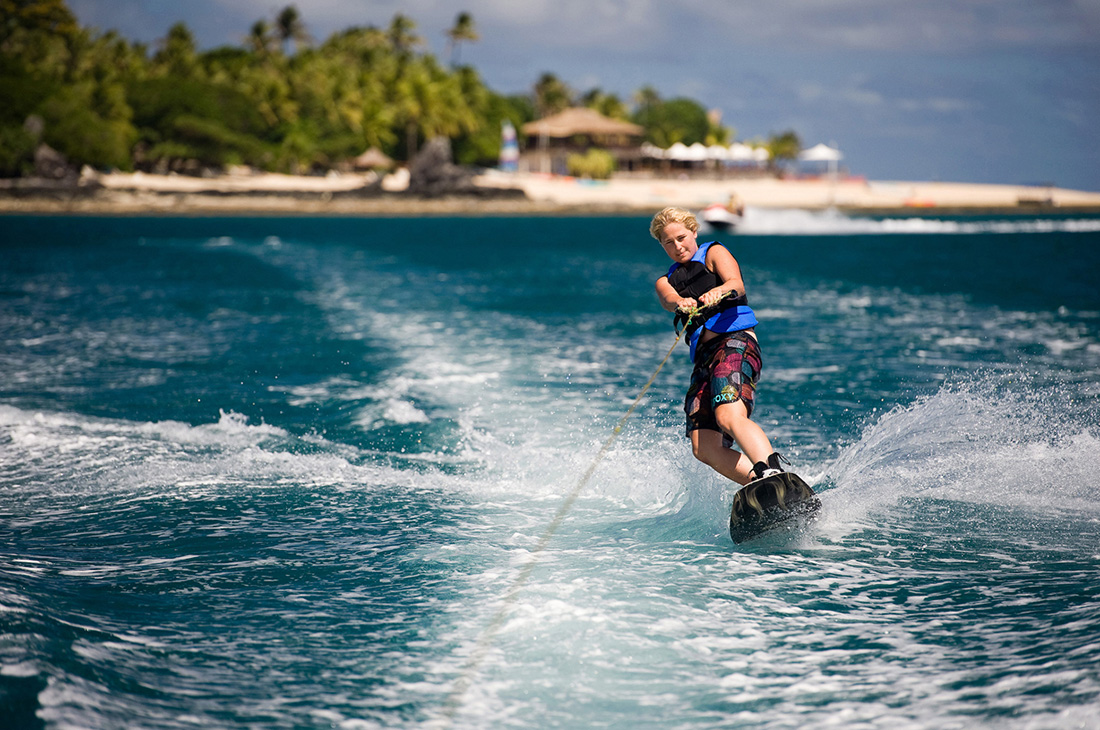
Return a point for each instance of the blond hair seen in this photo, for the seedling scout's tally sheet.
(672, 215)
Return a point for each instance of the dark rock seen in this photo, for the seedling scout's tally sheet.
(432, 172)
(49, 164)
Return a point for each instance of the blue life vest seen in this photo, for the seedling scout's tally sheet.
(693, 279)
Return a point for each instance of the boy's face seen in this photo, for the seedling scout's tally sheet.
(679, 242)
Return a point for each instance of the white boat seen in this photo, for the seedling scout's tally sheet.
(720, 217)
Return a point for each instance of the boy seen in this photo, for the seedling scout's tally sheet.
(723, 347)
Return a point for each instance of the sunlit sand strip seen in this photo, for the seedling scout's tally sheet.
(777, 193)
(348, 194)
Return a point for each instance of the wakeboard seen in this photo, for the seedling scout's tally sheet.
(764, 504)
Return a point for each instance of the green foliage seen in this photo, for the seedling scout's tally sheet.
(106, 102)
(16, 151)
(482, 147)
(178, 55)
(463, 30)
(21, 94)
(610, 105)
(717, 134)
(207, 141)
(36, 35)
(784, 146)
(157, 102)
(74, 128)
(51, 68)
(677, 120)
(596, 164)
(552, 95)
(402, 36)
(290, 28)
(210, 123)
(48, 16)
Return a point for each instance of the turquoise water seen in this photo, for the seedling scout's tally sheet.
(297, 473)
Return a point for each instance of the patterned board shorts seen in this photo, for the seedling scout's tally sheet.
(726, 370)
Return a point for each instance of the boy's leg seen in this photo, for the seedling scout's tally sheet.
(733, 418)
(707, 447)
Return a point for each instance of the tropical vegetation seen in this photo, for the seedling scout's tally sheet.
(594, 163)
(280, 101)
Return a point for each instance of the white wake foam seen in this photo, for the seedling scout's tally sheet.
(48, 454)
(993, 441)
(768, 221)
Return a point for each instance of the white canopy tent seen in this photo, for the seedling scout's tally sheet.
(829, 155)
(718, 152)
(823, 153)
(678, 151)
(743, 153)
(698, 152)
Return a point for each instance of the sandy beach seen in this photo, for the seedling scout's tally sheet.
(361, 195)
(855, 195)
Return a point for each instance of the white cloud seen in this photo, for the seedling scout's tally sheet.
(861, 97)
(809, 92)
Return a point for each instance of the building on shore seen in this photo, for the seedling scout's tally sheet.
(548, 144)
(551, 140)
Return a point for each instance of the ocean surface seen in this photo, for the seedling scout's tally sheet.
(317, 473)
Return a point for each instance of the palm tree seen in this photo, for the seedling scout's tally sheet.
(463, 30)
(177, 54)
(289, 27)
(401, 34)
(785, 146)
(552, 95)
(646, 98)
(610, 105)
(50, 17)
(260, 38)
(431, 103)
(357, 45)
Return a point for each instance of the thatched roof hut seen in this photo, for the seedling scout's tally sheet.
(581, 120)
(552, 139)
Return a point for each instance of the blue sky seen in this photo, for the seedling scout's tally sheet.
(958, 90)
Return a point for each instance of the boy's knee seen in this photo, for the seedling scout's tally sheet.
(728, 418)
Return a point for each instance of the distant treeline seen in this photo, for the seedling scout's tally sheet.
(279, 102)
